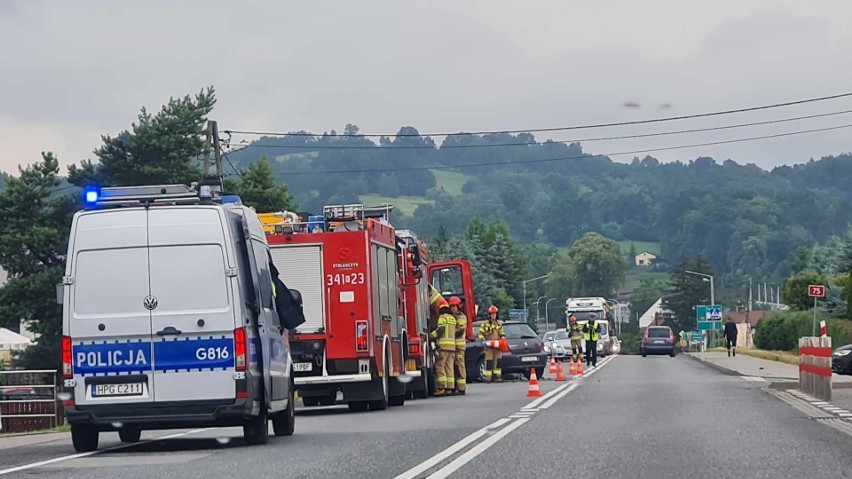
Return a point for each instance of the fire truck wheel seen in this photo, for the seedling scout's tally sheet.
(382, 404)
(424, 379)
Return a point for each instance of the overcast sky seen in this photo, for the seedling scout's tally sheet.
(73, 70)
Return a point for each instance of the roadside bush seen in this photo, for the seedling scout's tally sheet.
(781, 331)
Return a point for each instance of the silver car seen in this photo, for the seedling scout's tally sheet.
(557, 344)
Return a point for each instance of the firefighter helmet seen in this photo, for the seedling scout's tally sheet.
(572, 318)
(442, 303)
(492, 309)
(455, 301)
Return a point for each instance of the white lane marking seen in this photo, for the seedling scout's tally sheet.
(756, 379)
(561, 395)
(535, 403)
(820, 403)
(476, 450)
(479, 448)
(86, 454)
(436, 459)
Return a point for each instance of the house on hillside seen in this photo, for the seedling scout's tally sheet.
(645, 258)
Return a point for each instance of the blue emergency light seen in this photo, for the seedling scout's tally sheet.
(90, 195)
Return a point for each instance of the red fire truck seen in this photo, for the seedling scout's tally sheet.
(365, 303)
(450, 278)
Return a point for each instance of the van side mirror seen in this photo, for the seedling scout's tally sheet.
(60, 293)
(296, 295)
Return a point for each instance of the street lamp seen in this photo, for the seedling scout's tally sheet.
(537, 316)
(707, 277)
(546, 315)
(617, 313)
(524, 282)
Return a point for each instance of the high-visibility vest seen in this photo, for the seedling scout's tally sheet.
(461, 329)
(447, 340)
(592, 334)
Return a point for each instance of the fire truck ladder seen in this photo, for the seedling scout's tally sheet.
(356, 212)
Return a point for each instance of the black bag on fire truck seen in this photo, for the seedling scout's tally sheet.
(288, 307)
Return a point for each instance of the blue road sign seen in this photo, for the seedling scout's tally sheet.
(709, 317)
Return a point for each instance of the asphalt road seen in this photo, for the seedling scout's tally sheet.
(632, 417)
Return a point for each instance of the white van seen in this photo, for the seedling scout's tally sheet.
(169, 319)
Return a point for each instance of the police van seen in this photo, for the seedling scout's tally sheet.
(169, 317)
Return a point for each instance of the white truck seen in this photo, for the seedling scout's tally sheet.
(581, 308)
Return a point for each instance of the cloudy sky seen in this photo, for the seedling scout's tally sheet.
(72, 70)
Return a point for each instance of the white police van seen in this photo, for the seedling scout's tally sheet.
(169, 319)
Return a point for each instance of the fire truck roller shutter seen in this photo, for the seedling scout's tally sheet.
(300, 268)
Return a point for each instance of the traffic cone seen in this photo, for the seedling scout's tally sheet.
(559, 376)
(494, 344)
(572, 368)
(580, 367)
(534, 391)
(504, 345)
(552, 365)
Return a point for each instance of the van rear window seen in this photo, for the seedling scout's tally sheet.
(110, 281)
(188, 277)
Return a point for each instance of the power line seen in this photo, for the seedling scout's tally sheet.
(530, 143)
(562, 128)
(565, 158)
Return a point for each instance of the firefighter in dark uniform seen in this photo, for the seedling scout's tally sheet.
(489, 331)
(461, 345)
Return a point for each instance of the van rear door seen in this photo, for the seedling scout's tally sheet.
(193, 323)
(109, 325)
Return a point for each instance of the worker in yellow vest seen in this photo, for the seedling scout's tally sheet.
(445, 336)
(461, 345)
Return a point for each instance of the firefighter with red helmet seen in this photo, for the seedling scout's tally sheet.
(445, 336)
(461, 345)
(491, 330)
(575, 333)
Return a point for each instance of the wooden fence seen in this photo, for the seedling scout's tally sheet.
(29, 402)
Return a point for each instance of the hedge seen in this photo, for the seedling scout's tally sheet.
(780, 331)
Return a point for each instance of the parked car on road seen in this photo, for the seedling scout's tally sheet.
(658, 340)
(841, 360)
(558, 344)
(526, 351)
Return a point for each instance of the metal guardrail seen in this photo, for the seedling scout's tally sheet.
(28, 401)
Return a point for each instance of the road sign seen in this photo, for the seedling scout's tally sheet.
(709, 317)
(697, 336)
(518, 314)
(816, 291)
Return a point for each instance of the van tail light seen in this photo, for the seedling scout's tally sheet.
(414, 347)
(67, 371)
(671, 337)
(541, 346)
(361, 344)
(645, 337)
(240, 349)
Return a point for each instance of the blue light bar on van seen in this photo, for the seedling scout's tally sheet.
(231, 199)
(91, 194)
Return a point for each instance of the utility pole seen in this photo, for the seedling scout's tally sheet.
(214, 181)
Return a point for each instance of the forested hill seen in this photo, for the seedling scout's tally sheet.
(744, 219)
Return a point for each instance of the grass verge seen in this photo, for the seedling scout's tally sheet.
(780, 356)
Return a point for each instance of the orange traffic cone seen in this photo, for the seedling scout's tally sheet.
(553, 369)
(504, 345)
(580, 367)
(534, 391)
(559, 376)
(572, 368)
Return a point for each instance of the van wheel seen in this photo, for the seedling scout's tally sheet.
(382, 404)
(129, 434)
(84, 438)
(256, 430)
(284, 423)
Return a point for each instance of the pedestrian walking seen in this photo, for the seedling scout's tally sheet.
(731, 337)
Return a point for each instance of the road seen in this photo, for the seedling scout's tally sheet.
(632, 417)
